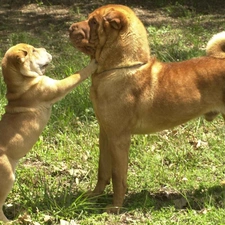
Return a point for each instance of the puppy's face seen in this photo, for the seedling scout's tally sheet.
(25, 60)
(35, 60)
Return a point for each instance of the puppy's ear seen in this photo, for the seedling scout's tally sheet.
(116, 19)
(20, 56)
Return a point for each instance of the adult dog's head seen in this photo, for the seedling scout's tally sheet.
(113, 35)
(24, 61)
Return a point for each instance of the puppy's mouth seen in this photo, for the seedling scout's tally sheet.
(43, 67)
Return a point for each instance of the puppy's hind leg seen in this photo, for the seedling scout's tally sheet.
(7, 178)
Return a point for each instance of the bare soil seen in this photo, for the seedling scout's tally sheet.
(36, 15)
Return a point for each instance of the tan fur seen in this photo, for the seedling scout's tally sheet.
(133, 93)
(30, 97)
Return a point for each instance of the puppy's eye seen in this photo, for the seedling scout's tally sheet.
(34, 50)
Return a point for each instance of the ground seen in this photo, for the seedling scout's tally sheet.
(41, 15)
(42, 19)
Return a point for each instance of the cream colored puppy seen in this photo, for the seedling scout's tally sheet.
(30, 97)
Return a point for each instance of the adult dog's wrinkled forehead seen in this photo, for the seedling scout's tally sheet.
(107, 12)
(104, 10)
(118, 16)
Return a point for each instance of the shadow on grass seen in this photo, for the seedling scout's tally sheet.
(201, 5)
(63, 205)
(33, 20)
(198, 199)
(37, 17)
(70, 205)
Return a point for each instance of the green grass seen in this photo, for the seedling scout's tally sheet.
(174, 176)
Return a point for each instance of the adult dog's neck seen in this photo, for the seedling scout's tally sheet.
(133, 66)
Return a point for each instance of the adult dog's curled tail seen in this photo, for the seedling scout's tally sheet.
(216, 46)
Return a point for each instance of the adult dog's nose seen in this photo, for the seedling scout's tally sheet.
(80, 29)
(73, 27)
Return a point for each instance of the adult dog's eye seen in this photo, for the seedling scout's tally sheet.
(93, 22)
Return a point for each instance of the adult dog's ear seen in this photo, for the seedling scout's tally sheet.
(116, 19)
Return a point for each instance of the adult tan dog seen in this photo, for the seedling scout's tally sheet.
(30, 97)
(133, 93)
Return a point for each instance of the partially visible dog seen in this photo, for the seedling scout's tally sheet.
(133, 93)
(30, 97)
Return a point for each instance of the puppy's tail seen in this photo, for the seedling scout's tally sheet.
(216, 46)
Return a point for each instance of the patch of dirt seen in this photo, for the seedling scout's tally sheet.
(34, 16)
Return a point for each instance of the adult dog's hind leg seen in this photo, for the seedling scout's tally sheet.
(211, 115)
(223, 115)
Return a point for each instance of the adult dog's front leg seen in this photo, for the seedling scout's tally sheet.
(119, 149)
(105, 164)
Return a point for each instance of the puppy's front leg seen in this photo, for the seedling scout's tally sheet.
(84, 73)
(55, 90)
